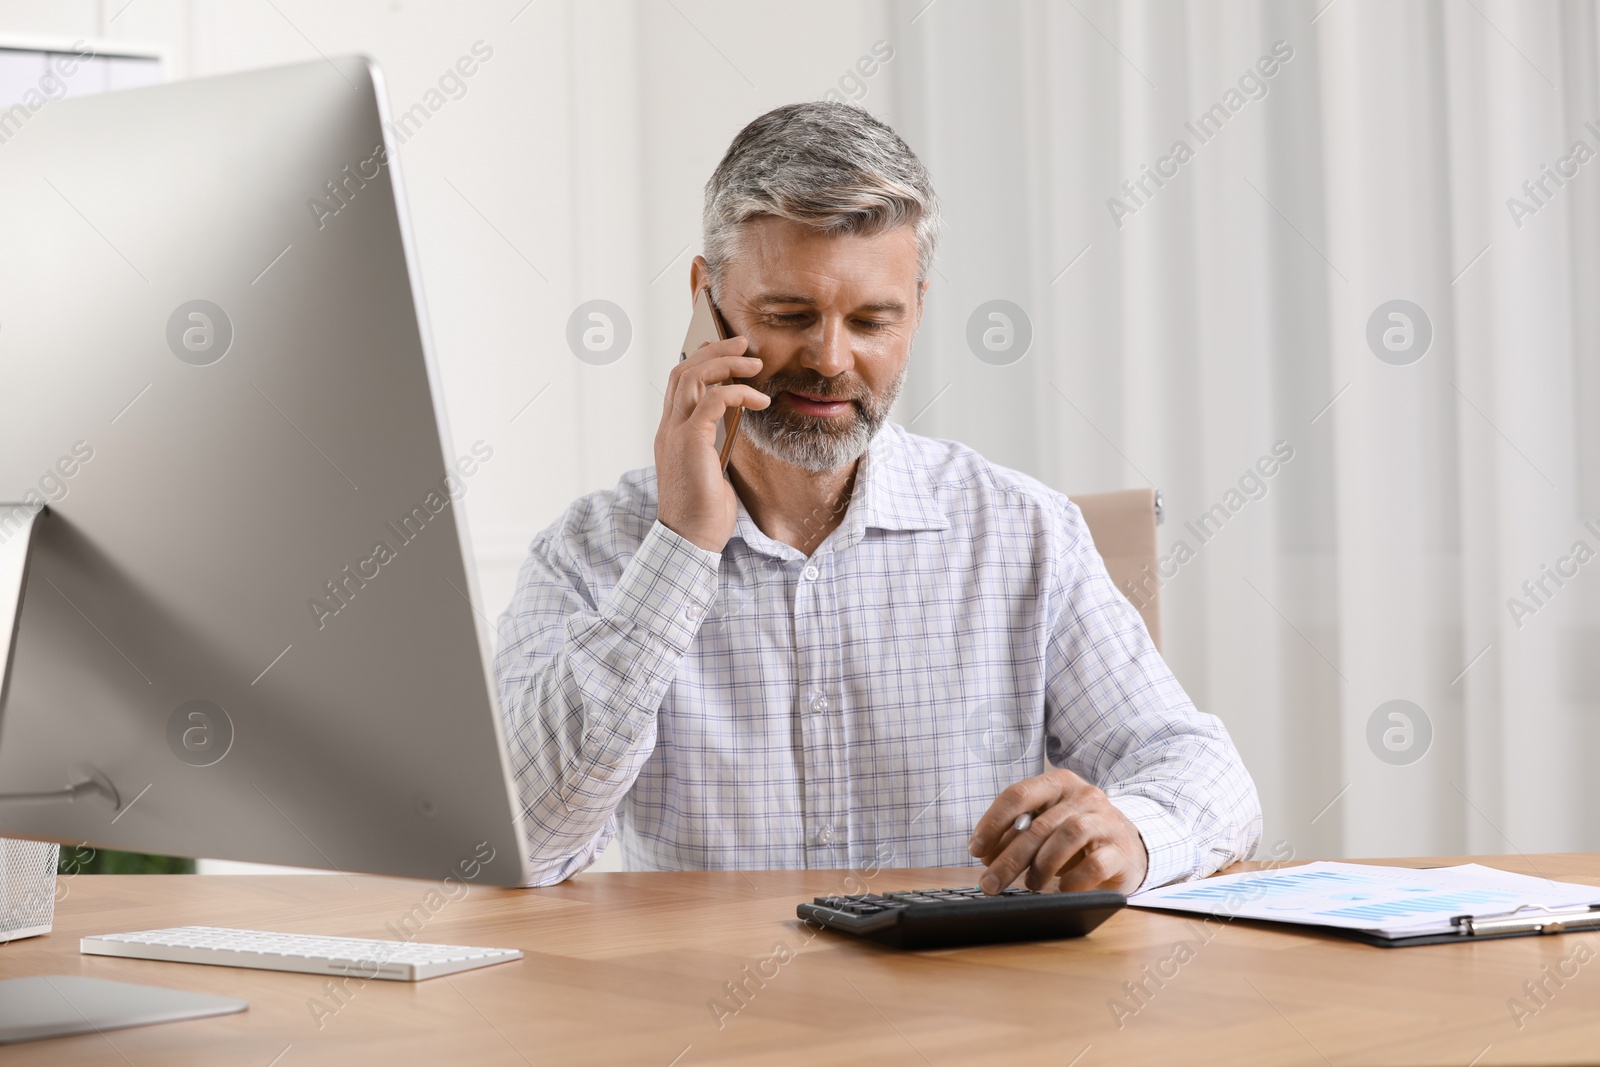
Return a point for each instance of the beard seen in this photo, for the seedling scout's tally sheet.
(819, 443)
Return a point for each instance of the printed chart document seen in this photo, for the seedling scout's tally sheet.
(1383, 902)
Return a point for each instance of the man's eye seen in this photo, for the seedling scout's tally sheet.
(804, 318)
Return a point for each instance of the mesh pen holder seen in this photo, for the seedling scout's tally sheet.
(27, 888)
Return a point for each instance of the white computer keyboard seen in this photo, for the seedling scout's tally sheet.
(401, 961)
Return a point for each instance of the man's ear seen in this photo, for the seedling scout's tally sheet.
(699, 275)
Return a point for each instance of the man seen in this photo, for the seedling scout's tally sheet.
(861, 646)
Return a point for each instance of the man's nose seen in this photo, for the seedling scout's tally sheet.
(829, 353)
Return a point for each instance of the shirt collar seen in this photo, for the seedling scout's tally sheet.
(892, 492)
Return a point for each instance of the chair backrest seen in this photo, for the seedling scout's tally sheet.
(1123, 525)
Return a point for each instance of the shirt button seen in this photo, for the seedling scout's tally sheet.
(825, 835)
(819, 704)
(811, 574)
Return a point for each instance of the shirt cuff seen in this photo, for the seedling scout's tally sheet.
(667, 587)
(1166, 840)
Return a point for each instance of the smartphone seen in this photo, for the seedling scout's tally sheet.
(705, 326)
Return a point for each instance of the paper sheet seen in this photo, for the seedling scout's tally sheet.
(1392, 901)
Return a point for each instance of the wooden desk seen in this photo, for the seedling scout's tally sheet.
(622, 968)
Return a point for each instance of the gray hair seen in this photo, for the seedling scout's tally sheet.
(827, 164)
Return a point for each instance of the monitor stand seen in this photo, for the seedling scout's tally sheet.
(43, 1006)
(19, 528)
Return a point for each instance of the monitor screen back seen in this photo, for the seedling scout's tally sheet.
(250, 601)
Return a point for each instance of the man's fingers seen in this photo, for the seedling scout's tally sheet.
(1103, 865)
(705, 368)
(713, 362)
(717, 402)
(718, 369)
(728, 346)
(1031, 794)
(996, 848)
(1077, 832)
(691, 381)
(1018, 856)
(688, 369)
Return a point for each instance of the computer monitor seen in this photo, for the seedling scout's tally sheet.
(248, 626)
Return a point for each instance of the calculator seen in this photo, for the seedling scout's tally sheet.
(945, 918)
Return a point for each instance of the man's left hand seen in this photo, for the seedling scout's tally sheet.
(1078, 839)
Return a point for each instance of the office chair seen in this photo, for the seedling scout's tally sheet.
(1123, 525)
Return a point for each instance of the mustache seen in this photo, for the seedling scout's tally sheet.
(813, 384)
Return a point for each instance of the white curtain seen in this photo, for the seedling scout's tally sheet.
(1224, 311)
(1228, 312)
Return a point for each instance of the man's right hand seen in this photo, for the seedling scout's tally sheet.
(694, 500)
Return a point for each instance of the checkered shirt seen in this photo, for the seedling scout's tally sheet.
(757, 708)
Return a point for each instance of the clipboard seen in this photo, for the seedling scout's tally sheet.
(1469, 929)
(1387, 906)
(1529, 920)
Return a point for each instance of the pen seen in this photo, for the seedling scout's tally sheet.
(1024, 821)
